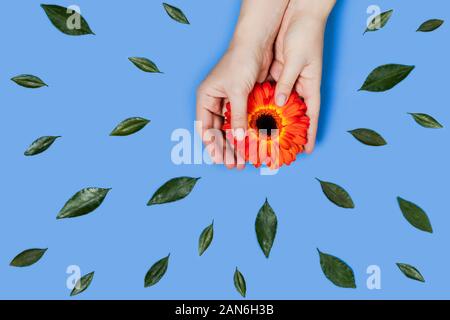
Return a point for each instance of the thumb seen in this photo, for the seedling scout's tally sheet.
(291, 71)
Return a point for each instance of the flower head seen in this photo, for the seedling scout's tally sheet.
(275, 135)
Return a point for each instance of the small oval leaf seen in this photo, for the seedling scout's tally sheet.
(386, 77)
(29, 81)
(239, 283)
(410, 271)
(337, 194)
(27, 258)
(430, 25)
(337, 271)
(205, 239)
(83, 202)
(368, 137)
(129, 126)
(175, 13)
(415, 215)
(173, 190)
(266, 228)
(40, 145)
(145, 64)
(82, 284)
(426, 121)
(156, 272)
(67, 20)
(379, 21)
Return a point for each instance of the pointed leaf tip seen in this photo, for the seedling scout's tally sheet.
(175, 13)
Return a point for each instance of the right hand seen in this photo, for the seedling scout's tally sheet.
(231, 80)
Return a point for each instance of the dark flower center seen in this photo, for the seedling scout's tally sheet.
(266, 122)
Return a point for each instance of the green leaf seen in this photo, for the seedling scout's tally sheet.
(156, 272)
(337, 194)
(426, 120)
(82, 284)
(175, 13)
(40, 145)
(27, 258)
(430, 25)
(368, 137)
(83, 202)
(379, 21)
(145, 64)
(410, 271)
(386, 77)
(29, 81)
(173, 190)
(239, 283)
(415, 215)
(66, 20)
(337, 271)
(266, 228)
(206, 238)
(129, 126)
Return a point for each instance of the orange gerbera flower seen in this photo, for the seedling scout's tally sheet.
(275, 134)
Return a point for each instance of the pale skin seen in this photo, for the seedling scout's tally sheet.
(279, 40)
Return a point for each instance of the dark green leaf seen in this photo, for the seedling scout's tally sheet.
(206, 238)
(379, 21)
(337, 194)
(129, 126)
(410, 271)
(239, 283)
(430, 25)
(29, 81)
(337, 271)
(83, 202)
(66, 20)
(82, 284)
(415, 215)
(40, 145)
(368, 137)
(386, 77)
(145, 64)
(28, 257)
(175, 13)
(173, 190)
(266, 228)
(426, 121)
(156, 272)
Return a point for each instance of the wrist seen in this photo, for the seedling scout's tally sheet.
(259, 23)
(248, 40)
(315, 9)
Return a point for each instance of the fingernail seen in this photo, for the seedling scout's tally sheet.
(281, 99)
(239, 134)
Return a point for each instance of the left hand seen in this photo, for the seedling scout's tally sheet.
(299, 56)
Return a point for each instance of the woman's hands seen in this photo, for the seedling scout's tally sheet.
(294, 30)
(299, 54)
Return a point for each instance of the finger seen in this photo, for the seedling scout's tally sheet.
(219, 142)
(313, 103)
(240, 154)
(207, 108)
(230, 160)
(276, 69)
(263, 75)
(291, 71)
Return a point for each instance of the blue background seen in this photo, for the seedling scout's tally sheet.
(92, 87)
